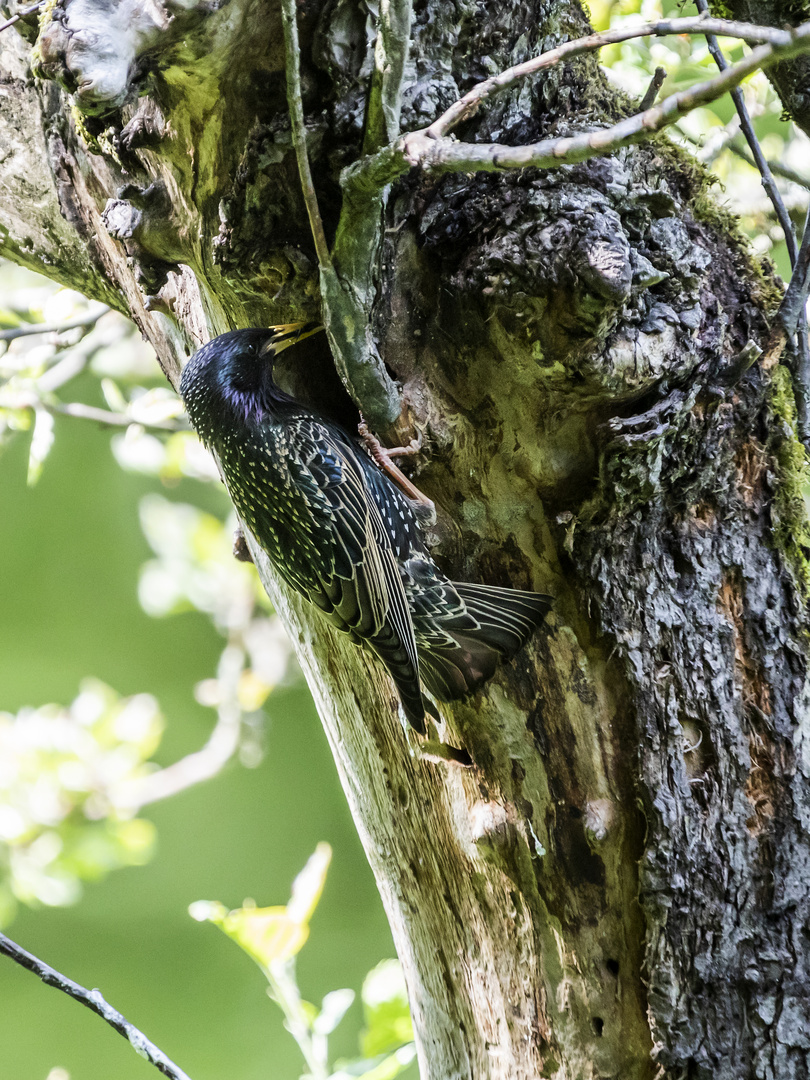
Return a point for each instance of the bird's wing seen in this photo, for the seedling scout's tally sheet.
(313, 514)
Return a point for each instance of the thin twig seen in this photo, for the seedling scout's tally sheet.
(88, 319)
(790, 309)
(792, 313)
(775, 166)
(299, 131)
(657, 81)
(103, 416)
(21, 15)
(467, 106)
(444, 155)
(93, 1000)
(747, 128)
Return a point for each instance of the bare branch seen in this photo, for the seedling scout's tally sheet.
(444, 155)
(470, 103)
(793, 309)
(776, 168)
(299, 132)
(795, 299)
(21, 15)
(747, 129)
(657, 81)
(81, 411)
(90, 318)
(93, 1000)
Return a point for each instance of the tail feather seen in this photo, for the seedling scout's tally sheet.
(461, 660)
(507, 617)
(401, 668)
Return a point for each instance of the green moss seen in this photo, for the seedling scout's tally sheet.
(37, 59)
(698, 190)
(80, 123)
(790, 520)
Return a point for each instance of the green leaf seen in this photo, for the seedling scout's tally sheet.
(385, 1004)
(272, 936)
(384, 1067)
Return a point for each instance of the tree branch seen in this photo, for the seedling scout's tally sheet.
(80, 411)
(93, 1000)
(467, 106)
(390, 56)
(794, 322)
(444, 155)
(747, 129)
(776, 168)
(347, 284)
(21, 15)
(299, 131)
(203, 764)
(90, 318)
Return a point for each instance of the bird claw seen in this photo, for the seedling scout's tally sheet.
(382, 456)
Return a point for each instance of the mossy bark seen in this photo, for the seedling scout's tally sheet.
(617, 887)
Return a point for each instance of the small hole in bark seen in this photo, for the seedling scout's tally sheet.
(598, 1025)
(613, 968)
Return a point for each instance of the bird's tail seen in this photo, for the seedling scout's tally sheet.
(394, 655)
(499, 621)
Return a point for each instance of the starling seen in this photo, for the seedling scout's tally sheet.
(338, 530)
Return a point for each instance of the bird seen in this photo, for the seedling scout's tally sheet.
(339, 532)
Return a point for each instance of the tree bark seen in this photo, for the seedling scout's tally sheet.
(617, 887)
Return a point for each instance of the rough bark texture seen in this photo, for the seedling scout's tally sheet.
(617, 888)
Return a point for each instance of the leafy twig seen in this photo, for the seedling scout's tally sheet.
(93, 1000)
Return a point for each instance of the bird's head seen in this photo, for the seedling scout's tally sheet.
(233, 374)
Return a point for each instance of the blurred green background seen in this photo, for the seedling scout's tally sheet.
(71, 548)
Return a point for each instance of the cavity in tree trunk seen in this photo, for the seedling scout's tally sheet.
(618, 886)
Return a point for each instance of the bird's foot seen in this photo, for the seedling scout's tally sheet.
(382, 457)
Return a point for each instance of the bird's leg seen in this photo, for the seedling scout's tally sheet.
(382, 456)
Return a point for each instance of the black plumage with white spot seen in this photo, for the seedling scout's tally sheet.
(339, 532)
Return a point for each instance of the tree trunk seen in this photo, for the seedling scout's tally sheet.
(617, 887)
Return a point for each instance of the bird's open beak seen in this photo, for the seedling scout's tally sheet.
(286, 334)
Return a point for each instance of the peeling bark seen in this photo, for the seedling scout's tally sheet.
(617, 888)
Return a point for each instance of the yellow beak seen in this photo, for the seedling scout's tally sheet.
(286, 334)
